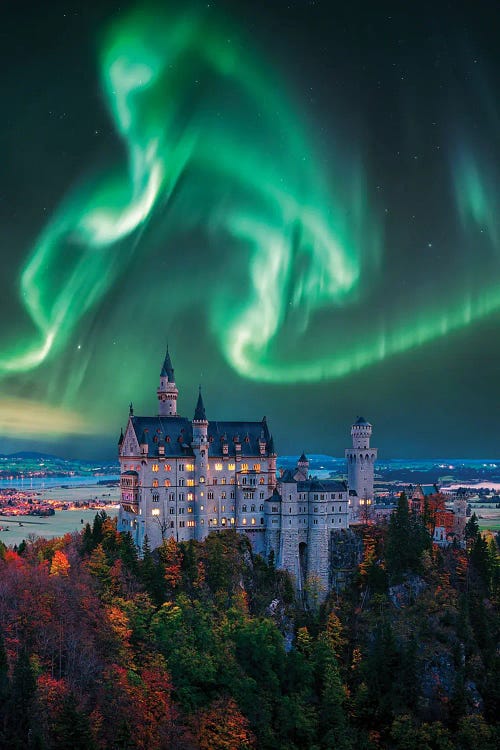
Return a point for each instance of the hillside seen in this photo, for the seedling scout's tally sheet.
(201, 645)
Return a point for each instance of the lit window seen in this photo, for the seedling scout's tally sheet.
(244, 467)
(190, 482)
(256, 467)
(155, 512)
(261, 480)
(223, 508)
(202, 479)
(244, 522)
(202, 507)
(189, 467)
(190, 509)
(232, 521)
(190, 523)
(231, 467)
(253, 521)
(190, 496)
(154, 467)
(223, 480)
(218, 467)
(167, 483)
(222, 521)
(167, 467)
(155, 483)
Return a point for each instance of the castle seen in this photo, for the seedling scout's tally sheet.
(187, 477)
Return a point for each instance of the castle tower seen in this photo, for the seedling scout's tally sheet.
(167, 391)
(360, 467)
(200, 450)
(302, 471)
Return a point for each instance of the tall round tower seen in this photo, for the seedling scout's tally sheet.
(167, 391)
(360, 467)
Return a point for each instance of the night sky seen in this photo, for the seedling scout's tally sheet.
(302, 198)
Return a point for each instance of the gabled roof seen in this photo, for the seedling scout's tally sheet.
(175, 434)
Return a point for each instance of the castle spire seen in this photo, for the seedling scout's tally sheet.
(199, 413)
(167, 392)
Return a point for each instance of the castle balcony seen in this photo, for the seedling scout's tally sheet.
(129, 507)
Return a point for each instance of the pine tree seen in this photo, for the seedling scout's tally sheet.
(72, 729)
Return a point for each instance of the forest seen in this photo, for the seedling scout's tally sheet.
(204, 645)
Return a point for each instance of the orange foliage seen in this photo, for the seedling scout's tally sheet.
(223, 727)
(60, 564)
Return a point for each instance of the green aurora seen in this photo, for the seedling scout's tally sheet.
(216, 147)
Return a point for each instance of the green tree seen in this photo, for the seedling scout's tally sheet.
(71, 729)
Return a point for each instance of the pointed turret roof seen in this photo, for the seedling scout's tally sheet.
(121, 438)
(167, 369)
(199, 412)
(303, 459)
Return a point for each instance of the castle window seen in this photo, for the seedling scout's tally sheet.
(167, 483)
(262, 521)
(155, 512)
(156, 497)
(181, 482)
(167, 467)
(154, 467)
(244, 508)
(214, 480)
(261, 495)
(274, 520)
(155, 483)
(244, 522)
(274, 509)
(222, 495)
(215, 509)
(261, 508)
(171, 524)
(315, 510)
(261, 480)
(181, 467)
(253, 521)
(202, 522)
(202, 480)
(232, 495)
(316, 498)
(181, 511)
(190, 482)
(182, 524)
(256, 467)
(340, 509)
(231, 481)
(190, 523)
(210, 495)
(172, 511)
(340, 520)
(218, 467)
(181, 496)
(231, 467)
(190, 509)
(222, 521)
(190, 496)
(171, 496)
(316, 520)
(252, 509)
(244, 467)
(223, 480)
(222, 508)
(244, 480)
(189, 467)
(232, 521)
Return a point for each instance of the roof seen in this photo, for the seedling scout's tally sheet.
(130, 473)
(361, 421)
(303, 459)
(175, 434)
(314, 484)
(167, 369)
(199, 412)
